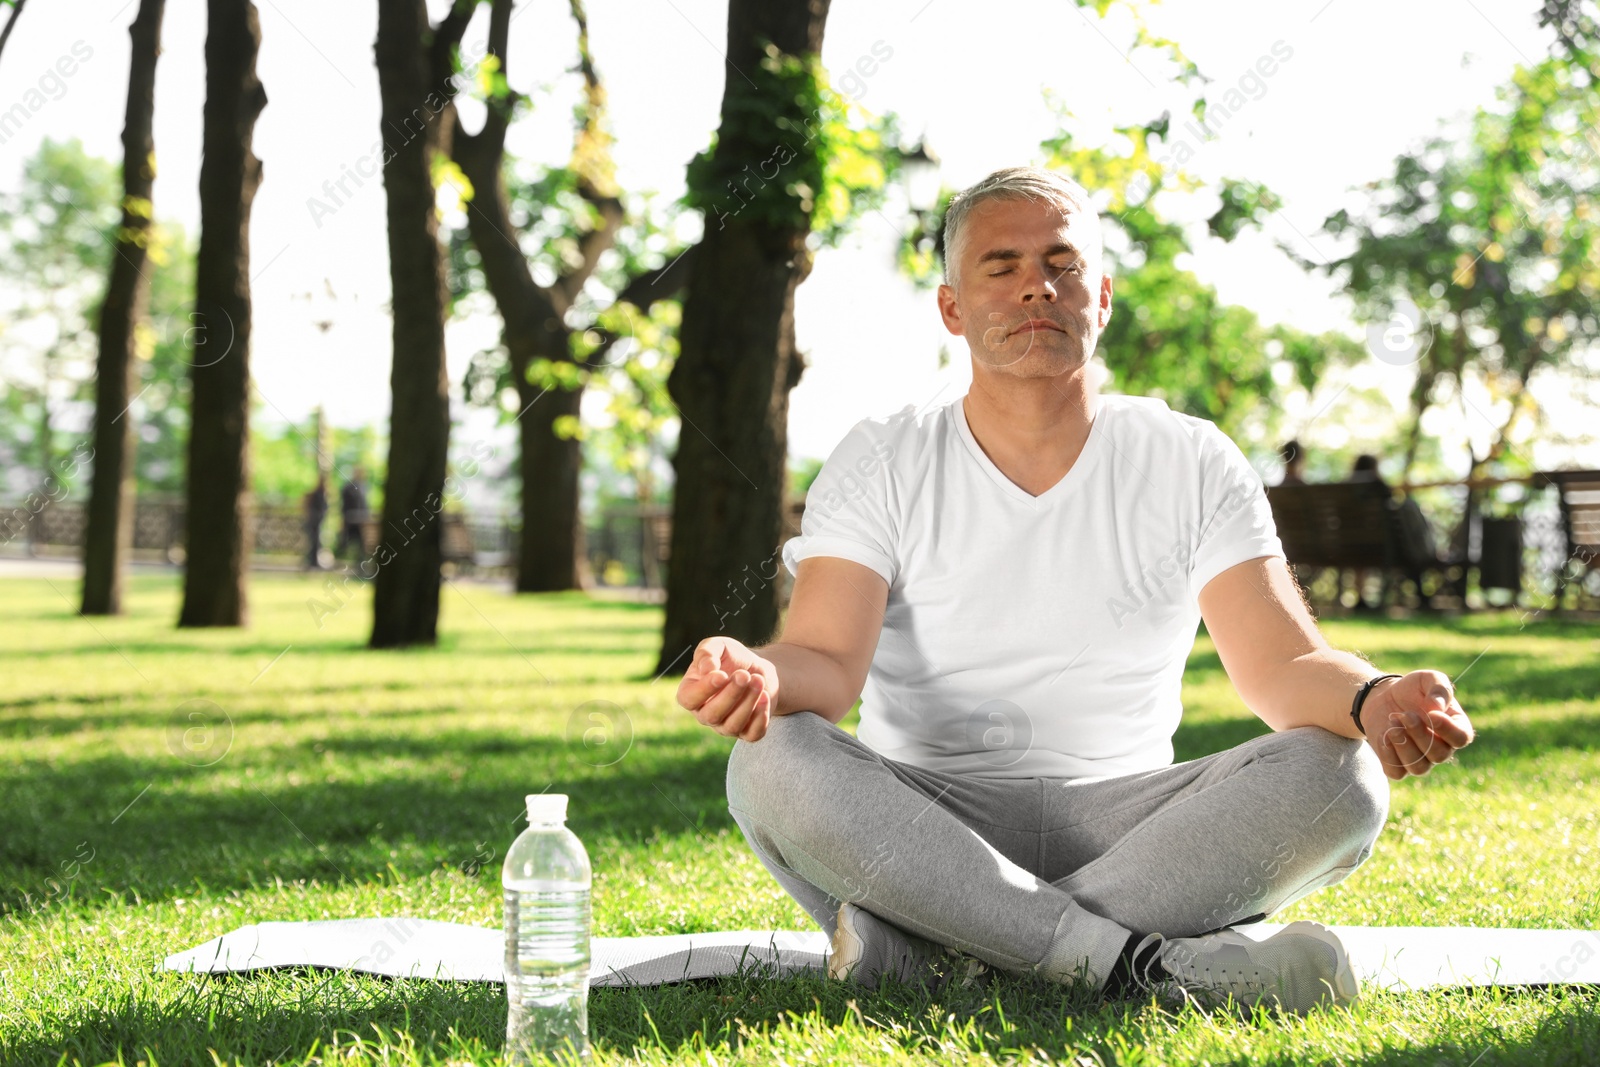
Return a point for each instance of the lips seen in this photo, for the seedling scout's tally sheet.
(1039, 324)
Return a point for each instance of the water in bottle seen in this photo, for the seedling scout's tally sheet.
(546, 881)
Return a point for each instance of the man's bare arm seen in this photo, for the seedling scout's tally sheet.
(1288, 674)
(819, 664)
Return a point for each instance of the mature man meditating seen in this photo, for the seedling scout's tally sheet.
(1011, 582)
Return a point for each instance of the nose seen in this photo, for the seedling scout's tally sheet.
(1038, 282)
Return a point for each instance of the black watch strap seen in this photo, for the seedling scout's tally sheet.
(1361, 698)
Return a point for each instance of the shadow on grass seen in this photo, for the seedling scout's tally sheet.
(96, 718)
(157, 827)
(609, 641)
(288, 1015)
(347, 806)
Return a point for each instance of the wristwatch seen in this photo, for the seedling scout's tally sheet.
(1361, 698)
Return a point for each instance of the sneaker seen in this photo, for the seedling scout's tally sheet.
(865, 948)
(1298, 968)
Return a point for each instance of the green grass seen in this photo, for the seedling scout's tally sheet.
(342, 782)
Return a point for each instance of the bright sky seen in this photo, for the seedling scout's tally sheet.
(1362, 81)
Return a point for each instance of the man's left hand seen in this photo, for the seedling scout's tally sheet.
(1415, 722)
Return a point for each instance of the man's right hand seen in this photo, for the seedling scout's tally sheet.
(730, 688)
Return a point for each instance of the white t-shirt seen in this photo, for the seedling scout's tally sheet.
(1034, 636)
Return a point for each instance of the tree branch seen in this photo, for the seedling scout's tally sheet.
(447, 35)
(591, 161)
(649, 286)
(5, 34)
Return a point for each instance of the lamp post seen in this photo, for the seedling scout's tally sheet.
(919, 173)
(921, 169)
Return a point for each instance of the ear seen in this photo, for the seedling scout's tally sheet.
(950, 311)
(1103, 315)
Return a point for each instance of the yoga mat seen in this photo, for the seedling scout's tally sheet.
(1393, 957)
(425, 948)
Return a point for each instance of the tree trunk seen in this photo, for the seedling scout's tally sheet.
(405, 608)
(736, 364)
(533, 329)
(547, 558)
(547, 555)
(46, 431)
(110, 527)
(218, 516)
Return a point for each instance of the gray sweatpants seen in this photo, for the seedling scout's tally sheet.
(1050, 875)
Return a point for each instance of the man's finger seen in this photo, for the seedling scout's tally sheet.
(756, 729)
(695, 690)
(1432, 748)
(1452, 725)
(739, 718)
(1410, 756)
(716, 710)
(700, 681)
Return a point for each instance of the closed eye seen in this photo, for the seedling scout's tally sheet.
(1077, 267)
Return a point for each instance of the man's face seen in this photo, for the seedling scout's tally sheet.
(1032, 298)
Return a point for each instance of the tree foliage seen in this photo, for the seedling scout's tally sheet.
(825, 169)
(57, 230)
(54, 248)
(1484, 242)
(1171, 336)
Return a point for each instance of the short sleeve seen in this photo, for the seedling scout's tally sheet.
(847, 510)
(1235, 518)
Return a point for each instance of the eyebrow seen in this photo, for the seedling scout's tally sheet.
(1011, 253)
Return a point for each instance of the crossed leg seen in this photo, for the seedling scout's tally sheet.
(1044, 875)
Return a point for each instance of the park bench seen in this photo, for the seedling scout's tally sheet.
(455, 542)
(1355, 524)
(1579, 495)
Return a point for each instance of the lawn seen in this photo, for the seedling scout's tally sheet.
(162, 787)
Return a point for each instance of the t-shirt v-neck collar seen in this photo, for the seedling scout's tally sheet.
(1087, 458)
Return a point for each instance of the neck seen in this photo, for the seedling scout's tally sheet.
(1033, 429)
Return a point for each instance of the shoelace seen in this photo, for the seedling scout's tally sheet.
(1240, 981)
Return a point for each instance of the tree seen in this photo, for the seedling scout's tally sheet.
(110, 516)
(737, 358)
(218, 513)
(56, 230)
(1479, 251)
(788, 171)
(602, 340)
(535, 317)
(411, 53)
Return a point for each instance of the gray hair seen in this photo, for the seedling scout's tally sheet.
(1012, 183)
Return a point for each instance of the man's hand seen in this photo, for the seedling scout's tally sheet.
(730, 688)
(1415, 722)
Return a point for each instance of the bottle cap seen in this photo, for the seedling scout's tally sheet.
(547, 807)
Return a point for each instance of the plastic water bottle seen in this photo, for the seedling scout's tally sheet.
(546, 881)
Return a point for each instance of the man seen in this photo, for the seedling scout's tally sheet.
(1015, 578)
(352, 513)
(315, 504)
(1294, 463)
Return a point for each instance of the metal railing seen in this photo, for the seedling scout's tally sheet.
(625, 545)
